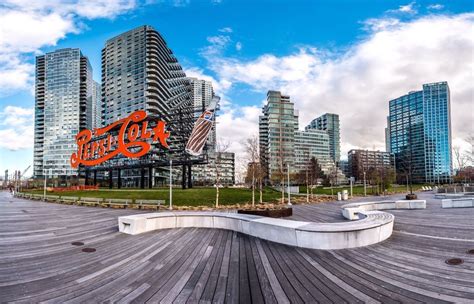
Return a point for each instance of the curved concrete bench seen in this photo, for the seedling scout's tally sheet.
(372, 226)
(458, 203)
(375, 227)
(354, 211)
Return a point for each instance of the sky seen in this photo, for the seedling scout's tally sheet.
(346, 57)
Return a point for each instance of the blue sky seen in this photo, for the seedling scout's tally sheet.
(310, 49)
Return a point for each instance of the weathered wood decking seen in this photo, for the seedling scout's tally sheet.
(38, 262)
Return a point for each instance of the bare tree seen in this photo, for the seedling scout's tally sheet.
(253, 156)
(460, 157)
(220, 148)
(464, 162)
(315, 173)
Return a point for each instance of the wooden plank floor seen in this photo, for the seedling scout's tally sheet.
(39, 264)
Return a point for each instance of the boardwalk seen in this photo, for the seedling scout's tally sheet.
(39, 263)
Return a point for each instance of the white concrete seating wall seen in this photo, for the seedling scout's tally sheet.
(458, 203)
(352, 211)
(372, 227)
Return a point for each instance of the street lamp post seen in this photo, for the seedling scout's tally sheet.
(45, 180)
(288, 169)
(365, 186)
(395, 168)
(351, 179)
(171, 184)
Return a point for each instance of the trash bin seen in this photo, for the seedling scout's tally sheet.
(339, 196)
(345, 195)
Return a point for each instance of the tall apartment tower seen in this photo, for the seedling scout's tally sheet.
(96, 105)
(202, 94)
(387, 136)
(277, 126)
(140, 72)
(63, 107)
(420, 134)
(330, 123)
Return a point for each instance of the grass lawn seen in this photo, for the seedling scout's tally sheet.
(187, 197)
(359, 189)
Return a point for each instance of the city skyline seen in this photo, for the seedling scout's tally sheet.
(242, 72)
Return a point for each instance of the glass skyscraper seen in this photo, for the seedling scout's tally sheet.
(420, 134)
(63, 107)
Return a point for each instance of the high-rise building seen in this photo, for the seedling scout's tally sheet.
(96, 105)
(277, 128)
(282, 145)
(330, 123)
(63, 107)
(360, 162)
(344, 165)
(218, 162)
(315, 143)
(309, 144)
(387, 136)
(202, 93)
(140, 72)
(420, 134)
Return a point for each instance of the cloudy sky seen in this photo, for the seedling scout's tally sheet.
(345, 57)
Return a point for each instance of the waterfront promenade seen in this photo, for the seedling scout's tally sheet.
(38, 261)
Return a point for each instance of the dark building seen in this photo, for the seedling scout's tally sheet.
(362, 161)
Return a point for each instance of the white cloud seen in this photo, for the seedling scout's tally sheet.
(28, 26)
(238, 46)
(225, 30)
(180, 3)
(406, 9)
(220, 86)
(435, 6)
(16, 128)
(358, 84)
(216, 45)
(380, 24)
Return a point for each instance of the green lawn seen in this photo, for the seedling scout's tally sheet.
(359, 189)
(187, 197)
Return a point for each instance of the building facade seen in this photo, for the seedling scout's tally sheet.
(316, 143)
(420, 134)
(344, 166)
(96, 105)
(63, 107)
(202, 93)
(140, 72)
(283, 145)
(222, 163)
(330, 123)
(387, 136)
(360, 162)
(277, 126)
